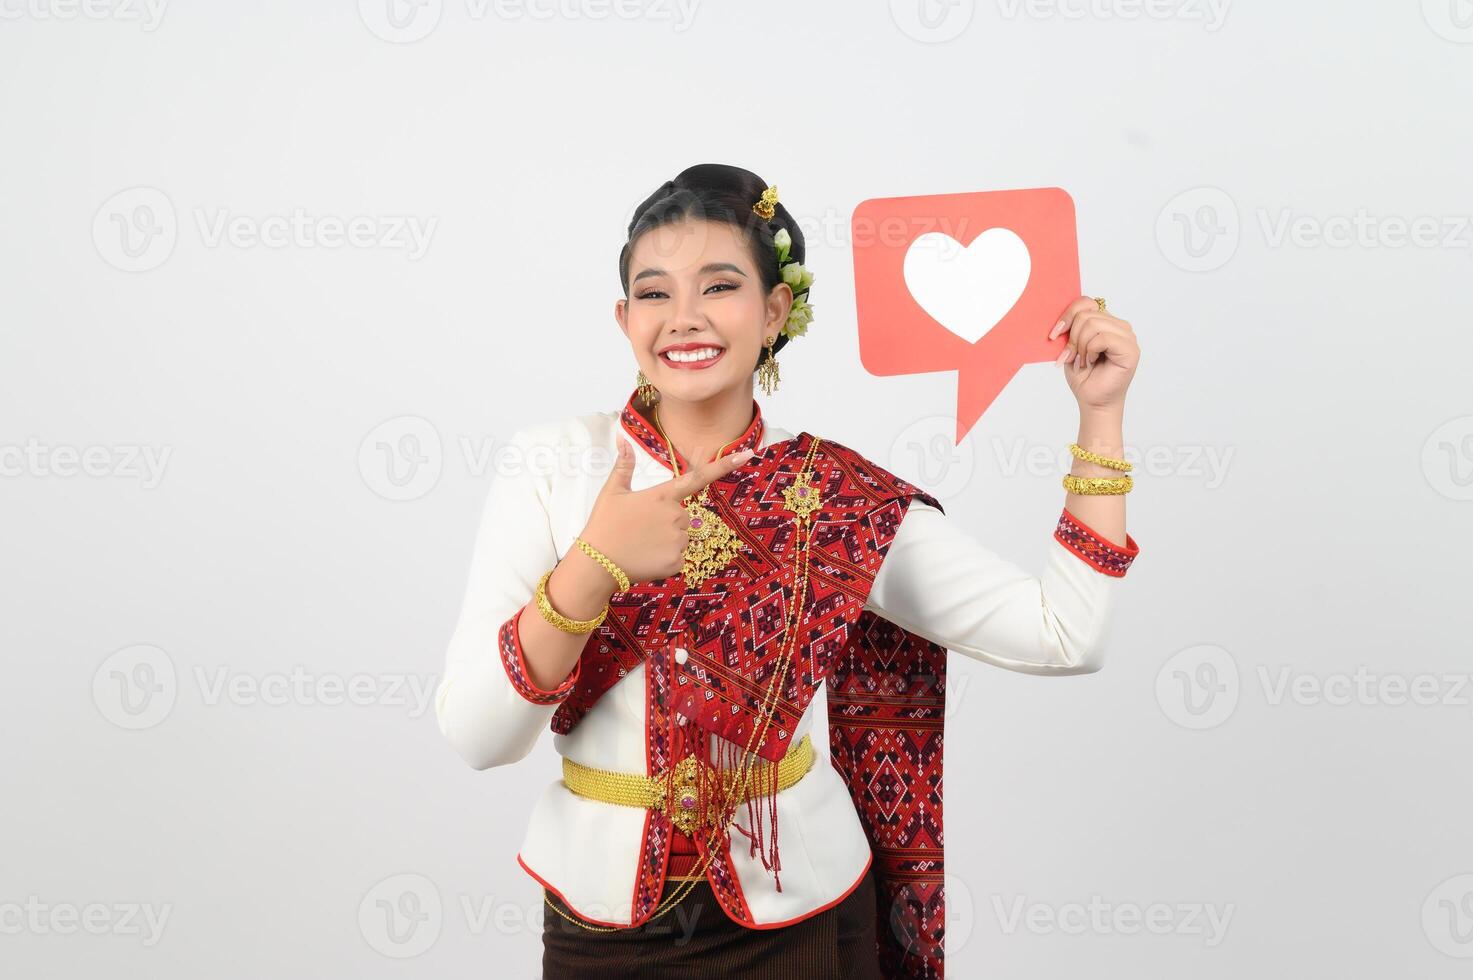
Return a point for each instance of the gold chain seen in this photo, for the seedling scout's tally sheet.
(620, 579)
(801, 487)
(1089, 457)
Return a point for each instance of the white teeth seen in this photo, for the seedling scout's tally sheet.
(704, 354)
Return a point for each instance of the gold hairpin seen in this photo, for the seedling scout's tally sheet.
(764, 207)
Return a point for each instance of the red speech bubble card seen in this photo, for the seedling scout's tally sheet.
(971, 283)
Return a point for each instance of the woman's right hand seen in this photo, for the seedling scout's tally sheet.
(644, 531)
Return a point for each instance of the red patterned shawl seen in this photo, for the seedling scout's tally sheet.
(886, 686)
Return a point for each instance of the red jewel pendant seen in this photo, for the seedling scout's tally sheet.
(713, 544)
(802, 497)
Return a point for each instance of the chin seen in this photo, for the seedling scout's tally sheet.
(697, 385)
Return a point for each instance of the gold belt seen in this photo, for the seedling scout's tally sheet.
(631, 789)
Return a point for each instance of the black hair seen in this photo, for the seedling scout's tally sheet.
(718, 192)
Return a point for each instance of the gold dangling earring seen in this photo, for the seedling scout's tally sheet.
(767, 375)
(646, 390)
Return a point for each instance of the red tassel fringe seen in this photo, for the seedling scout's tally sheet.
(693, 739)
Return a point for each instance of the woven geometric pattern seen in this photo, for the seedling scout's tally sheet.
(886, 685)
(887, 712)
(516, 667)
(734, 623)
(1103, 555)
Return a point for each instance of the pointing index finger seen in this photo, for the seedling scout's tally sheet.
(702, 476)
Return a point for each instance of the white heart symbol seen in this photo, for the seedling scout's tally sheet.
(967, 290)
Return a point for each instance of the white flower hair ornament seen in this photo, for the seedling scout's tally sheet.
(798, 276)
(795, 274)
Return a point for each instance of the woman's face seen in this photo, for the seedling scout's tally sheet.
(697, 315)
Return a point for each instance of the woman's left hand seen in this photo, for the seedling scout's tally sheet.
(1101, 356)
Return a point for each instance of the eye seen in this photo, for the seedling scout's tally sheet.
(652, 293)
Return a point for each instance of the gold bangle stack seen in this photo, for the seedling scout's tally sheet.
(558, 619)
(579, 626)
(1098, 484)
(1114, 464)
(604, 560)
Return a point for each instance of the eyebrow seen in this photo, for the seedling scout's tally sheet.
(708, 267)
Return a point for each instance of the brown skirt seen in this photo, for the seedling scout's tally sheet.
(697, 938)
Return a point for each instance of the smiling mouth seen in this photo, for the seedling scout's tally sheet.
(688, 360)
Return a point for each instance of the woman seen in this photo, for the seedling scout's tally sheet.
(686, 602)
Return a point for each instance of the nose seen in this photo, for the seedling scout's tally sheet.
(687, 315)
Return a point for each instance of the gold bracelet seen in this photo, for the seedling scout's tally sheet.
(557, 619)
(1084, 454)
(606, 562)
(1097, 484)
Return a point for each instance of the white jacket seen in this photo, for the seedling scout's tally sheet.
(936, 581)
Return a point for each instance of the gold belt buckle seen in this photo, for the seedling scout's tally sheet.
(681, 808)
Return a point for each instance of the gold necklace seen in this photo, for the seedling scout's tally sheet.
(713, 544)
(802, 498)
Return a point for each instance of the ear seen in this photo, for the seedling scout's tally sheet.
(621, 314)
(779, 304)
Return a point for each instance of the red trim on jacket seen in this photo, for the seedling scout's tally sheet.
(640, 429)
(516, 667)
(1094, 548)
(868, 861)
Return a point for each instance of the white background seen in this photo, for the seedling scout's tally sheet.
(1302, 411)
